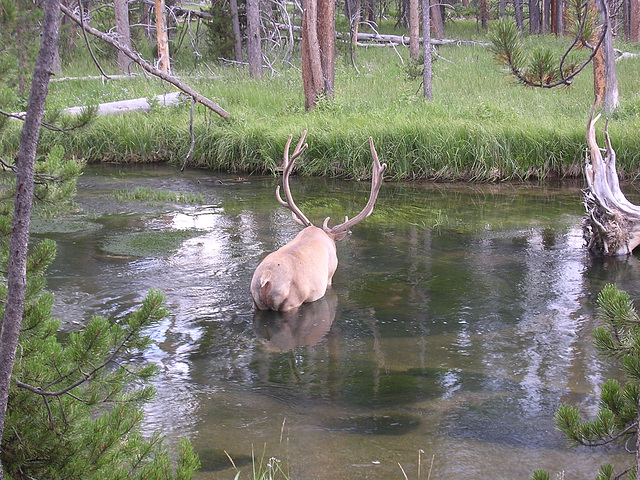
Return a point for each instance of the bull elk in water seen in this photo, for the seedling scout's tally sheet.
(301, 271)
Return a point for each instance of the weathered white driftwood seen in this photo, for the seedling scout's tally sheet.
(612, 223)
(133, 105)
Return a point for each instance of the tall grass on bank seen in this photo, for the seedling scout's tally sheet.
(480, 125)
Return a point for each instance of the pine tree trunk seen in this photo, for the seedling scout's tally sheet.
(318, 50)
(426, 48)
(534, 16)
(437, 23)
(254, 48)
(17, 268)
(414, 29)
(518, 11)
(605, 80)
(634, 20)
(164, 63)
(327, 42)
(235, 25)
(121, 13)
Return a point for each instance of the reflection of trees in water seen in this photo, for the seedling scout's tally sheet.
(486, 321)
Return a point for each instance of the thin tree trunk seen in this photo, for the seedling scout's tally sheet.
(327, 42)
(605, 80)
(254, 48)
(426, 48)
(546, 12)
(634, 20)
(534, 16)
(518, 9)
(17, 268)
(483, 14)
(311, 67)
(318, 50)
(437, 23)
(164, 63)
(121, 12)
(414, 29)
(235, 25)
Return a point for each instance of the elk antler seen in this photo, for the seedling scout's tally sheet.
(376, 181)
(287, 168)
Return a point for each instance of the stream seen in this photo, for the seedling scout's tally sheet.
(459, 320)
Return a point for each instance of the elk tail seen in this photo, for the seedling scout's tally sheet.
(265, 288)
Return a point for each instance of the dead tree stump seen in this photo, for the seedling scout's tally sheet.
(612, 223)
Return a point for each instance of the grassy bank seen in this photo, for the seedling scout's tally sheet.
(480, 124)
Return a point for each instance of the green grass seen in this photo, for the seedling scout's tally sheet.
(156, 196)
(480, 126)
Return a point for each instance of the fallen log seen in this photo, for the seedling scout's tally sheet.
(386, 39)
(133, 105)
(135, 56)
(612, 223)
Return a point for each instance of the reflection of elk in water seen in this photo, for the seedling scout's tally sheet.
(301, 271)
(302, 327)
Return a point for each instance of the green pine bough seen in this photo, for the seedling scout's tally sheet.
(619, 412)
(75, 401)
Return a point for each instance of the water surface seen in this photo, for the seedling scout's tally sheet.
(460, 319)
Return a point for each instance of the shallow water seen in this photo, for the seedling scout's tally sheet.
(459, 320)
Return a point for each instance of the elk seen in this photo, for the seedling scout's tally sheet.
(301, 271)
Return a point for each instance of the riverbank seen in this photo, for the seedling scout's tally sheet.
(480, 126)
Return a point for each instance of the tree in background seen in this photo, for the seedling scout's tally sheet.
(619, 410)
(254, 43)
(121, 14)
(164, 61)
(318, 50)
(19, 27)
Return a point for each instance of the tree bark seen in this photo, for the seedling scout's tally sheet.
(437, 22)
(426, 48)
(556, 17)
(414, 29)
(235, 25)
(605, 80)
(612, 223)
(164, 63)
(254, 47)
(483, 14)
(518, 11)
(327, 42)
(149, 68)
(534, 16)
(121, 13)
(17, 268)
(633, 27)
(318, 50)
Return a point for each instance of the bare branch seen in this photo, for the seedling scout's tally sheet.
(135, 56)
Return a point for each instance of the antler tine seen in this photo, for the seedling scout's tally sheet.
(376, 182)
(288, 165)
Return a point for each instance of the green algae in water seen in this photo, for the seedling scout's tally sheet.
(44, 225)
(150, 243)
(154, 196)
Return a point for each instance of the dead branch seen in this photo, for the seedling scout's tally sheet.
(135, 56)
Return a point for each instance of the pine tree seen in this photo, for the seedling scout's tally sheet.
(619, 412)
(73, 409)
